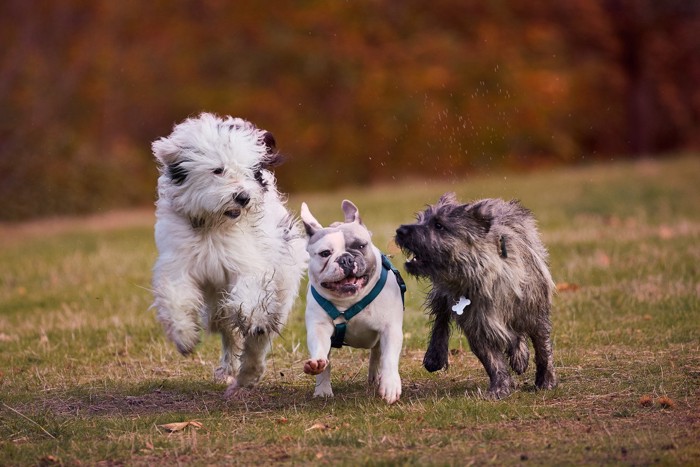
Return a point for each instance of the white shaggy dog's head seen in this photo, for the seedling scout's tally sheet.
(212, 169)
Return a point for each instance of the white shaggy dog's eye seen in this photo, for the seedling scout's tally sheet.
(218, 171)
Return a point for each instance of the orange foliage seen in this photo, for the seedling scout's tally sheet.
(354, 91)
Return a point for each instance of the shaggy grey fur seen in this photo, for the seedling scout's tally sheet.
(488, 251)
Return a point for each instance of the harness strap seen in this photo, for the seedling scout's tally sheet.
(338, 338)
(399, 280)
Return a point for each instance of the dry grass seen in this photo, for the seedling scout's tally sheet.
(87, 377)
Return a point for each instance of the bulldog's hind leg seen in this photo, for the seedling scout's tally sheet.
(389, 379)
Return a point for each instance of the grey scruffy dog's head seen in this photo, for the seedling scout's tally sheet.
(451, 241)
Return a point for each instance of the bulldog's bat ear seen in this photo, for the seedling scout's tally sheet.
(351, 212)
(310, 223)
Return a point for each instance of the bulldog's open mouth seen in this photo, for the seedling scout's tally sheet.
(349, 285)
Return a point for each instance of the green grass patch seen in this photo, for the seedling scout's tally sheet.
(87, 376)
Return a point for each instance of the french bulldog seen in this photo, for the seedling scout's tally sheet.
(346, 273)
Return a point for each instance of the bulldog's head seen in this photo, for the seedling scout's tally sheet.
(342, 257)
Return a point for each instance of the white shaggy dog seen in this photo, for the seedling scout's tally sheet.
(230, 254)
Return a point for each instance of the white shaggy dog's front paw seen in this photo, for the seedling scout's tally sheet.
(390, 388)
(185, 337)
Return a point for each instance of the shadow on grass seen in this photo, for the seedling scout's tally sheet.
(201, 398)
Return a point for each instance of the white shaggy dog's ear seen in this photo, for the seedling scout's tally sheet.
(272, 158)
(165, 151)
(352, 214)
(310, 223)
(169, 157)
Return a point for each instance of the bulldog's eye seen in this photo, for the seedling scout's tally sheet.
(218, 171)
(325, 253)
(362, 247)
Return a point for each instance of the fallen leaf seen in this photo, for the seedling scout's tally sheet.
(665, 232)
(666, 402)
(318, 426)
(179, 426)
(282, 420)
(567, 287)
(646, 401)
(602, 259)
(7, 338)
(49, 460)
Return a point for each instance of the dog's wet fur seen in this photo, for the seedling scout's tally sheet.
(490, 252)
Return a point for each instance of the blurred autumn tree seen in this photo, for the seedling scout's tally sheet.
(354, 91)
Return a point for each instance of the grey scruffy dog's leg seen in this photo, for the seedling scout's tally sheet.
(436, 357)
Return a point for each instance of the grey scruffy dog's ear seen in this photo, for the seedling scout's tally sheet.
(351, 212)
(481, 218)
(448, 198)
(311, 225)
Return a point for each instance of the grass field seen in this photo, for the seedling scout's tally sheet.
(87, 377)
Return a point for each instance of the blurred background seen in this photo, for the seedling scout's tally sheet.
(356, 92)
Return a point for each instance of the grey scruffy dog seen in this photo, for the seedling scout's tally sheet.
(489, 273)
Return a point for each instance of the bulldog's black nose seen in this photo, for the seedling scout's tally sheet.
(242, 198)
(347, 262)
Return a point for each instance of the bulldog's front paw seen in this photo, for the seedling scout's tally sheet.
(390, 388)
(323, 390)
(315, 367)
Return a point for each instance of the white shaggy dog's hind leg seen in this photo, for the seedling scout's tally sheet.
(231, 350)
(253, 364)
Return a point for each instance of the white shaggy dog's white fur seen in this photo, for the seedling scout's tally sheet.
(230, 254)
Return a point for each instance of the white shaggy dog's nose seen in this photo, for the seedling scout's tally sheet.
(242, 198)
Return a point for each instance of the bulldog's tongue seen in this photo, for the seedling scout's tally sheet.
(346, 285)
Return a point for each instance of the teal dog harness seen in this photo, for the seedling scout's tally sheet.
(338, 338)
